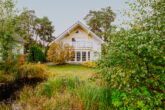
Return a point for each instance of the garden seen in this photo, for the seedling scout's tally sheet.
(129, 75)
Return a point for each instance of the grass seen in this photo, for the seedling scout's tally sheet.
(82, 72)
(62, 94)
(67, 89)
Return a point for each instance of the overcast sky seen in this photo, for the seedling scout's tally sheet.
(64, 13)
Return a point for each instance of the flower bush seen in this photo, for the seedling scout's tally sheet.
(90, 64)
(59, 53)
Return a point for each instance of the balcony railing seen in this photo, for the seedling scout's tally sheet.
(81, 44)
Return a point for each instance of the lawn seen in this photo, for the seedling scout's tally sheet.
(72, 70)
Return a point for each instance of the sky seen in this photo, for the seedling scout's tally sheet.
(64, 13)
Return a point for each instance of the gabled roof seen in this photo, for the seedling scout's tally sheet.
(77, 24)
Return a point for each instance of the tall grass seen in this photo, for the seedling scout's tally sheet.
(90, 96)
(58, 85)
(64, 93)
(94, 97)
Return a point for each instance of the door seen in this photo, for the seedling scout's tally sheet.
(84, 56)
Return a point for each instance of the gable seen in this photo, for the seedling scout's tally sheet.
(83, 34)
(78, 34)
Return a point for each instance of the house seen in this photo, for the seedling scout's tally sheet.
(86, 43)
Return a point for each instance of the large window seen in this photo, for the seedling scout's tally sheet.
(89, 56)
(83, 56)
(73, 59)
(78, 56)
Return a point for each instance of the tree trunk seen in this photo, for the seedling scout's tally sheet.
(43, 44)
(36, 39)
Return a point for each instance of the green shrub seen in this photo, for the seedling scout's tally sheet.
(31, 71)
(134, 62)
(36, 54)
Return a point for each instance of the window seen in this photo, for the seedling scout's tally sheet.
(77, 32)
(78, 56)
(83, 56)
(73, 59)
(73, 40)
(89, 56)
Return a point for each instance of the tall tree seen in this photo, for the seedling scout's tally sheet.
(45, 30)
(8, 26)
(28, 24)
(100, 21)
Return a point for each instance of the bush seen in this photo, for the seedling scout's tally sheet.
(90, 64)
(60, 53)
(134, 62)
(36, 54)
(21, 59)
(10, 63)
(31, 71)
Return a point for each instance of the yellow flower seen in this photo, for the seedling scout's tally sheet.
(144, 59)
(119, 70)
(137, 27)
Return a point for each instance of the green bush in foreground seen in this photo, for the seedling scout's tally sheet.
(134, 62)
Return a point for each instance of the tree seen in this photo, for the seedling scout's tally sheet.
(45, 30)
(60, 53)
(27, 18)
(100, 21)
(9, 35)
(8, 27)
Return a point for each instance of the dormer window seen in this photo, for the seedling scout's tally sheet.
(73, 40)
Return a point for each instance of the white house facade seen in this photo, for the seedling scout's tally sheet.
(87, 44)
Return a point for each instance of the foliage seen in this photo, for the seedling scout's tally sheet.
(50, 88)
(36, 54)
(134, 64)
(63, 93)
(45, 30)
(8, 26)
(10, 64)
(27, 20)
(60, 53)
(94, 97)
(100, 21)
(90, 64)
(21, 59)
(34, 27)
(31, 71)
